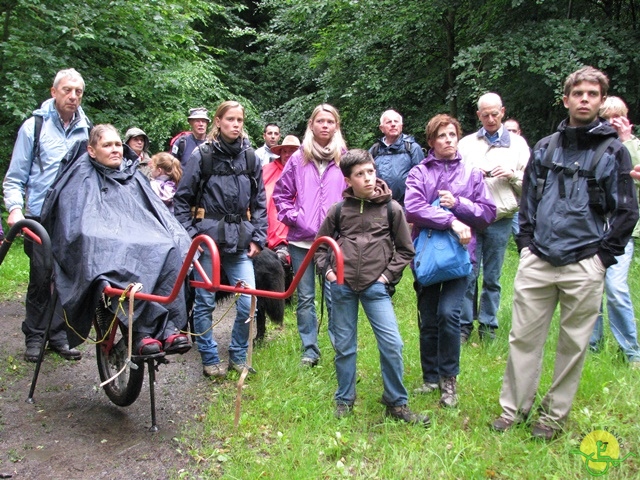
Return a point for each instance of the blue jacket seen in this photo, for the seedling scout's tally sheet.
(24, 176)
(474, 206)
(393, 163)
(229, 195)
(565, 229)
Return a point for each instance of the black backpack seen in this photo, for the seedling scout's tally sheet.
(208, 168)
(596, 195)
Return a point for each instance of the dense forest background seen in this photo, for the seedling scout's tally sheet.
(146, 62)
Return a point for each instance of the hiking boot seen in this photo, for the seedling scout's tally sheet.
(308, 362)
(217, 370)
(487, 333)
(343, 410)
(65, 352)
(449, 397)
(502, 424)
(544, 432)
(239, 367)
(32, 353)
(427, 388)
(464, 336)
(403, 413)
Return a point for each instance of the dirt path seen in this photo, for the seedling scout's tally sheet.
(73, 431)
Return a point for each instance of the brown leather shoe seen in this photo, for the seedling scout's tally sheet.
(544, 432)
(502, 424)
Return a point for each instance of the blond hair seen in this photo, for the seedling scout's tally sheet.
(220, 111)
(169, 164)
(613, 107)
(336, 145)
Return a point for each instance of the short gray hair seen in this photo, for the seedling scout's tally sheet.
(67, 73)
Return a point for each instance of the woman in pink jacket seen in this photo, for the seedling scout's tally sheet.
(310, 183)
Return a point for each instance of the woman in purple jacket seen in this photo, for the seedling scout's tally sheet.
(310, 183)
(462, 191)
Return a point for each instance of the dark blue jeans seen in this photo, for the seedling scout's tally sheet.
(439, 307)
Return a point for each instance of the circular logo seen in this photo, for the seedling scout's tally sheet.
(598, 449)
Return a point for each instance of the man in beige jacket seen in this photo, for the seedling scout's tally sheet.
(502, 157)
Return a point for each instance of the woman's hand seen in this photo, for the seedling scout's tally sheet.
(254, 249)
(623, 127)
(447, 199)
(463, 231)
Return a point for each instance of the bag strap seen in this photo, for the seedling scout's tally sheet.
(547, 164)
(338, 212)
(206, 171)
(37, 130)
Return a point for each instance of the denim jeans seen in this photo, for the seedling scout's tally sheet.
(306, 309)
(439, 306)
(619, 307)
(379, 310)
(515, 225)
(238, 267)
(491, 245)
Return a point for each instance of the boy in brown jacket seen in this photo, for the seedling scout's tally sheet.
(376, 243)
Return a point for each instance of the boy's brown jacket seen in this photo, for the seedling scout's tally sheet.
(368, 246)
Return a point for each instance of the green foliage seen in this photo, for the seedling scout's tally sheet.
(144, 63)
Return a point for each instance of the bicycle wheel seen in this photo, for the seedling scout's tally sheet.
(125, 388)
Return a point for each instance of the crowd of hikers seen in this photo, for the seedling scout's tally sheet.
(117, 214)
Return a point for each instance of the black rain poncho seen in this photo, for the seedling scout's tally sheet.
(108, 227)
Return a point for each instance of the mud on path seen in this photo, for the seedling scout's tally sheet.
(73, 431)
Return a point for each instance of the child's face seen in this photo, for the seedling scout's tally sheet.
(156, 171)
(362, 180)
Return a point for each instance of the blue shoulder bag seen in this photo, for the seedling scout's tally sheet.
(439, 255)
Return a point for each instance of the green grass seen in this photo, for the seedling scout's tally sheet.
(287, 429)
(14, 273)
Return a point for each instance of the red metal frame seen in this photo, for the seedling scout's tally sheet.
(213, 284)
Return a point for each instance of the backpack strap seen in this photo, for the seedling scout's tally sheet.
(336, 220)
(375, 149)
(37, 130)
(206, 171)
(593, 189)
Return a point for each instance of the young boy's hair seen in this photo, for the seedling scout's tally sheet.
(353, 158)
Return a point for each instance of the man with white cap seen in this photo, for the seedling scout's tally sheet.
(186, 143)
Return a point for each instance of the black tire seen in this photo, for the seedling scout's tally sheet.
(124, 389)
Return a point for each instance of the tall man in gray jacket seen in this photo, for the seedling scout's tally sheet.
(31, 172)
(577, 213)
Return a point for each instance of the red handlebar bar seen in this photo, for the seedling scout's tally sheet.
(213, 284)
